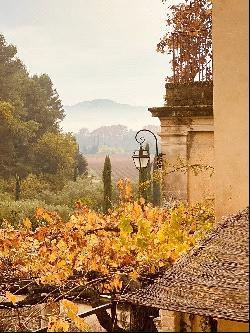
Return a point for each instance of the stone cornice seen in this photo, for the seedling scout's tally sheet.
(182, 111)
(189, 84)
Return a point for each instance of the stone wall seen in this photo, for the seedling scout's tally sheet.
(173, 321)
(232, 326)
(231, 103)
(200, 150)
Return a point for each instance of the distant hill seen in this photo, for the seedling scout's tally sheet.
(114, 139)
(105, 112)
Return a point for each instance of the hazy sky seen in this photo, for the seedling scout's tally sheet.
(91, 48)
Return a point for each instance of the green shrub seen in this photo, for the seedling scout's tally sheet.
(15, 211)
(88, 190)
(33, 186)
(36, 194)
(5, 196)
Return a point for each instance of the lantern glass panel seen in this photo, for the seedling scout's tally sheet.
(141, 158)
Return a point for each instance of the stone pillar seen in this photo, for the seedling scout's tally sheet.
(187, 136)
(168, 321)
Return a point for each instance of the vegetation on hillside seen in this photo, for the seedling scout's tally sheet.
(30, 115)
(114, 139)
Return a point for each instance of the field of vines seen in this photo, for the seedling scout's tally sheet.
(122, 166)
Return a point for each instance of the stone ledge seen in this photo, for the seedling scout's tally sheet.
(192, 93)
(189, 84)
(182, 111)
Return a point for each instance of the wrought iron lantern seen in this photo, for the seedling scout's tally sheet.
(141, 157)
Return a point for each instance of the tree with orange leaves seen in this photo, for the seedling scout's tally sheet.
(189, 40)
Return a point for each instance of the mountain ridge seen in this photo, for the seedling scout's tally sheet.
(102, 102)
(95, 113)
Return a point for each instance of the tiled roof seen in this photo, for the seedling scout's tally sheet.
(211, 279)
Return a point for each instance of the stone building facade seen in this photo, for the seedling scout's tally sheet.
(231, 104)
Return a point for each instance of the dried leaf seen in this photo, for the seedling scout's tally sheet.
(11, 297)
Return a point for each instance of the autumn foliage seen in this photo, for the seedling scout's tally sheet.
(108, 251)
(134, 238)
(188, 40)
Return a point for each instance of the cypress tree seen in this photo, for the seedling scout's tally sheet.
(156, 195)
(145, 189)
(17, 188)
(107, 186)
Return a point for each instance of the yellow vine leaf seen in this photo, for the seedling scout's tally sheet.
(53, 256)
(52, 278)
(11, 297)
(134, 275)
(39, 212)
(117, 283)
(161, 264)
(27, 224)
(47, 217)
(61, 263)
(57, 325)
(81, 324)
(62, 245)
(70, 308)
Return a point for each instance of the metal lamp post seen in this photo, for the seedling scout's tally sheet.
(141, 156)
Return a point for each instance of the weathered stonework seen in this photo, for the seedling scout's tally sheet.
(173, 321)
(195, 93)
(187, 135)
